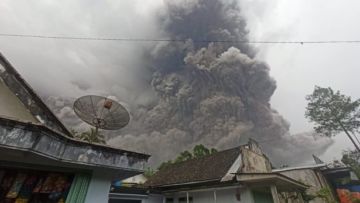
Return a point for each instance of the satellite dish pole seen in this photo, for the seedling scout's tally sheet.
(101, 112)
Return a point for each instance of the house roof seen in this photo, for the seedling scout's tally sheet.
(50, 141)
(29, 98)
(42, 143)
(209, 168)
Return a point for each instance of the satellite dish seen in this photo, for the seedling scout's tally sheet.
(101, 112)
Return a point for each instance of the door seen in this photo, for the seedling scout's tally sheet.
(262, 196)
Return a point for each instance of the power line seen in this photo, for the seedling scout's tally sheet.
(179, 40)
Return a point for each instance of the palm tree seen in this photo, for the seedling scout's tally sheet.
(91, 136)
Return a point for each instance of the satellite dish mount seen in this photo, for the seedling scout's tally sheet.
(101, 112)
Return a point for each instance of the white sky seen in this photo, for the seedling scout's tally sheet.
(296, 68)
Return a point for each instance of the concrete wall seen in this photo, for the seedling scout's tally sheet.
(254, 162)
(11, 106)
(222, 196)
(309, 177)
(99, 187)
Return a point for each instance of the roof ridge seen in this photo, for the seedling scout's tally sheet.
(203, 157)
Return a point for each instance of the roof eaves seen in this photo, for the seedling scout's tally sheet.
(278, 175)
(300, 168)
(36, 146)
(11, 74)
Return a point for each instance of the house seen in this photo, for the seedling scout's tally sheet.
(241, 174)
(126, 194)
(312, 176)
(40, 161)
(344, 183)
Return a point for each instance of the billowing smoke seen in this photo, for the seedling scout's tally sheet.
(212, 93)
(216, 94)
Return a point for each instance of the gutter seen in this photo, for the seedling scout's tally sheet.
(299, 168)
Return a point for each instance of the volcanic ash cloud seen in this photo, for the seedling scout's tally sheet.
(212, 93)
(201, 91)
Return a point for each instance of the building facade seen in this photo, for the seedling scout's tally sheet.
(242, 174)
(40, 161)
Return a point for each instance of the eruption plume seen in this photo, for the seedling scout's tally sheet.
(216, 94)
(210, 93)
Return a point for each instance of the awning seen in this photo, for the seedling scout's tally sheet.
(283, 183)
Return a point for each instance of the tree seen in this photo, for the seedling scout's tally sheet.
(333, 112)
(326, 195)
(149, 172)
(352, 159)
(197, 152)
(91, 136)
(184, 156)
(165, 164)
(200, 151)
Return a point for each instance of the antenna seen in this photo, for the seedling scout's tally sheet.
(101, 112)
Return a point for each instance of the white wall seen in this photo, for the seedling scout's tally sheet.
(154, 199)
(222, 196)
(98, 191)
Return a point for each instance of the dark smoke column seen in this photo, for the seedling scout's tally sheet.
(216, 94)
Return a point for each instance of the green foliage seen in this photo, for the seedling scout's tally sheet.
(213, 150)
(149, 172)
(307, 197)
(333, 112)
(91, 136)
(184, 156)
(165, 165)
(352, 159)
(200, 151)
(197, 152)
(325, 194)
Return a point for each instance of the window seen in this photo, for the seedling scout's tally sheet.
(184, 200)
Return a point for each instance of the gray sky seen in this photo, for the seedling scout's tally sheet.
(73, 68)
(298, 68)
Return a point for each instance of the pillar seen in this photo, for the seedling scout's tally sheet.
(274, 194)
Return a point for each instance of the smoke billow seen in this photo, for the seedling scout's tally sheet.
(212, 93)
(216, 94)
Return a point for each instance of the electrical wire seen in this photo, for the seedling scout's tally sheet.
(179, 40)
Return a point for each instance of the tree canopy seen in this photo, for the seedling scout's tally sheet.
(352, 159)
(91, 136)
(333, 112)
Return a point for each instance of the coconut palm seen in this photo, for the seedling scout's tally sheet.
(91, 136)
